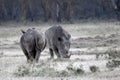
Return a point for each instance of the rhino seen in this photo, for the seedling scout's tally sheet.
(32, 43)
(58, 42)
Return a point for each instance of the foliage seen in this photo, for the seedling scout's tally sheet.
(111, 54)
(93, 68)
(45, 70)
(75, 71)
(113, 64)
(114, 56)
(33, 10)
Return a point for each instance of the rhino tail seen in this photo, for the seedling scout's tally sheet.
(45, 44)
(22, 31)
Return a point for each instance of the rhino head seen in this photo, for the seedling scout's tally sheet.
(64, 45)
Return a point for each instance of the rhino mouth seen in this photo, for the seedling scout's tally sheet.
(67, 55)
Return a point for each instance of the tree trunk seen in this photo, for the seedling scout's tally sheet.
(30, 6)
(47, 9)
(4, 12)
(23, 11)
(67, 8)
(114, 4)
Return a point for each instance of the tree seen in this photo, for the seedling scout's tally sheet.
(23, 10)
(30, 7)
(67, 8)
(3, 9)
(47, 9)
(58, 10)
(116, 6)
(114, 3)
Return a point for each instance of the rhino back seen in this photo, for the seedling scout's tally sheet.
(52, 35)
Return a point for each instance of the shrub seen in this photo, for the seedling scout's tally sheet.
(114, 57)
(47, 70)
(75, 71)
(79, 71)
(22, 71)
(112, 64)
(39, 70)
(113, 54)
(93, 68)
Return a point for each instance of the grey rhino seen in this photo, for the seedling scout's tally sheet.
(32, 43)
(58, 41)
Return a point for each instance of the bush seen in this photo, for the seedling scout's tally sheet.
(93, 68)
(22, 71)
(47, 70)
(102, 55)
(39, 70)
(75, 71)
(113, 54)
(114, 57)
(112, 64)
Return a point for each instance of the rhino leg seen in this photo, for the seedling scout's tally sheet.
(31, 51)
(57, 52)
(30, 54)
(26, 53)
(51, 53)
(38, 52)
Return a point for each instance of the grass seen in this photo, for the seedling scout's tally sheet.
(75, 71)
(45, 70)
(113, 57)
(110, 53)
(41, 70)
(77, 29)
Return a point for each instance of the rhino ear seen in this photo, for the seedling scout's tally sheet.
(69, 36)
(23, 31)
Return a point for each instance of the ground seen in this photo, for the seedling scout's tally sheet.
(88, 40)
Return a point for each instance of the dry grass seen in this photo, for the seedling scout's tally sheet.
(15, 68)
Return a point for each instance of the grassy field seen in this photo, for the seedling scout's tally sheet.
(90, 43)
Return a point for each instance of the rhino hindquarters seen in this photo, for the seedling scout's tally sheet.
(25, 52)
(40, 46)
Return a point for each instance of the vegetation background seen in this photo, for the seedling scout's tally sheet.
(55, 10)
(95, 39)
